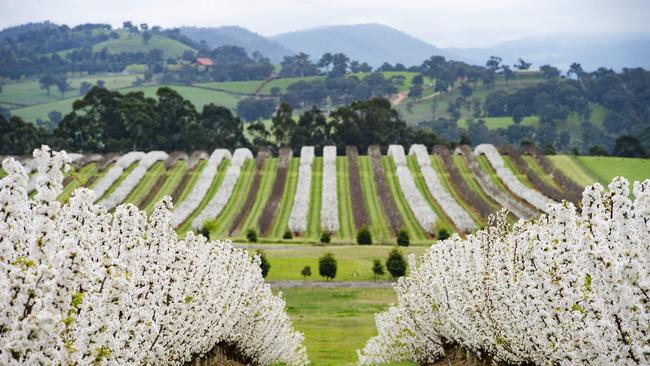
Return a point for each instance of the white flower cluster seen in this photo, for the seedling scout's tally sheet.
(81, 286)
(132, 180)
(329, 213)
(456, 213)
(31, 185)
(200, 189)
(531, 196)
(300, 208)
(221, 198)
(116, 171)
(418, 204)
(567, 289)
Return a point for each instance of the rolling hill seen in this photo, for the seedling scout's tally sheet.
(371, 43)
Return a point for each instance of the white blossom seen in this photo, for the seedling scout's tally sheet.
(300, 208)
(116, 171)
(566, 289)
(329, 214)
(221, 198)
(416, 201)
(132, 180)
(82, 286)
(200, 189)
(531, 196)
(456, 213)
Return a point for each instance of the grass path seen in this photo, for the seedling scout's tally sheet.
(174, 176)
(236, 201)
(119, 180)
(146, 183)
(570, 166)
(540, 173)
(439, 167)
(80, 178)
(444, 222)
(412, 226)
(336, 322)
(266, 185)
(518, 173)
(216, 182)
(346, 216)
(461, 164)
(313, 218)
(378, 226)
(281, 222)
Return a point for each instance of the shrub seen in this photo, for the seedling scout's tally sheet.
(364, 237)
(377, 268)
(287, 235)
(325, 237)
(327, 266)
(264, 263)
(206, 228)
(396, 264)
(251, 235)
(306, 272)
(443, 234)
(403, 239)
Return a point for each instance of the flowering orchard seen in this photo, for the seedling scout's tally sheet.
(80, 285)
(568, 288)
(329, 215)
(298, 218)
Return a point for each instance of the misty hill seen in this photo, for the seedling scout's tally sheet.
(372, 43)
(591, 52)
(237, 36)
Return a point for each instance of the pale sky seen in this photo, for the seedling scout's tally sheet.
(444, 23)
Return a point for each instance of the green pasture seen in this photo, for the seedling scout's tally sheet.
(134, 42)
(570, 166)
(354, 262)
(336, 322)
(605, 168)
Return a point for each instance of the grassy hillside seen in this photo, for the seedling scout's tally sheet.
(134, 42)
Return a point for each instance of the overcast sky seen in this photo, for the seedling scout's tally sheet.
(446, 23)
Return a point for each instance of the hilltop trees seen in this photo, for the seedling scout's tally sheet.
(298, 66)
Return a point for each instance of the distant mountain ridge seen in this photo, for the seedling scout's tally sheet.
(591, 52)
(237, 36)
(372, 43)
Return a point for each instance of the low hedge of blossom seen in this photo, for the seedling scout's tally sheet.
(416, 201)
(569, 288)
(200, 189)
(132, 180)
(81, 286)
(329, 214)
(456, 213)
(221, 198)
(298, 217)
(116, 171)
(529, 195)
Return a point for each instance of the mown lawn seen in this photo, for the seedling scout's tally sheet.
(354, 261)
(336, 322)
(605, 168)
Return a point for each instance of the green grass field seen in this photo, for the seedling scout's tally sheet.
(336, 322)
(378, 227)
(347, 229)
(606, 168)
(130, 42)
(570, 166)
(354, 261)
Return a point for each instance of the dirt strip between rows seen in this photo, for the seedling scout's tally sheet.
(266, 220)
(356, 193)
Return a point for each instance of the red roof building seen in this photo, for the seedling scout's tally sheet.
(203, 61)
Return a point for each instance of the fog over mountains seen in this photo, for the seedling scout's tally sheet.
(377, 43)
